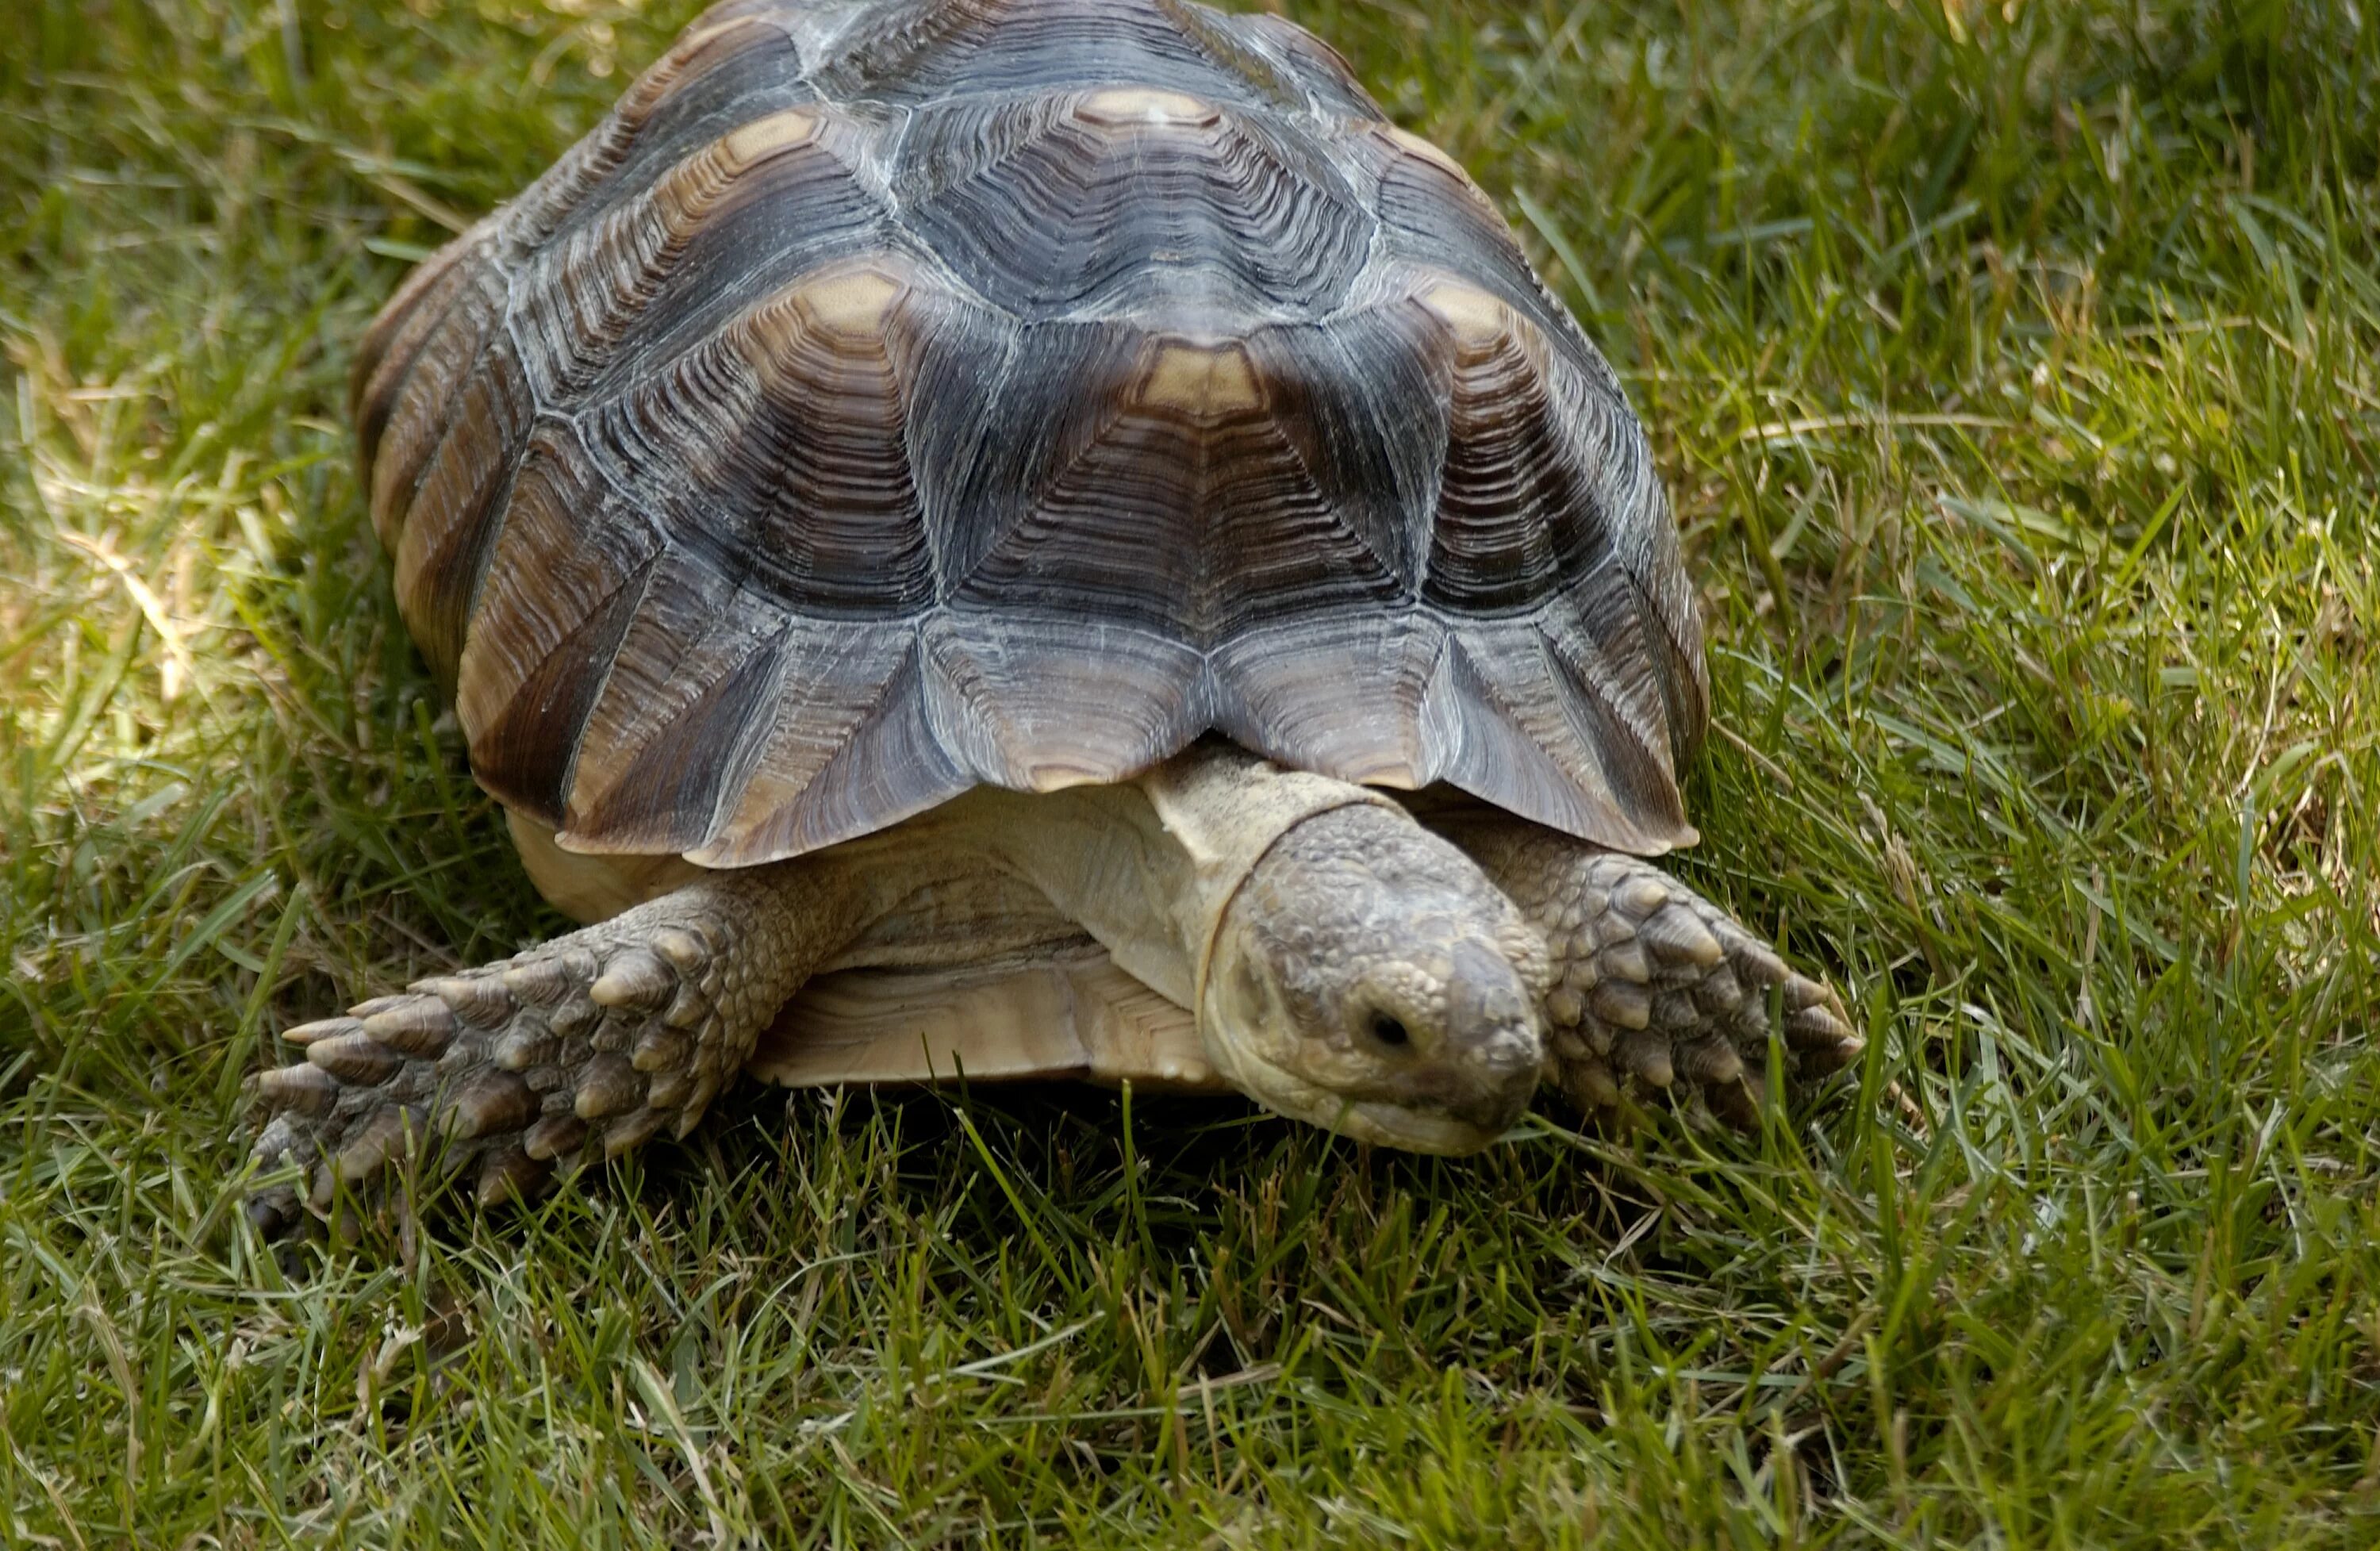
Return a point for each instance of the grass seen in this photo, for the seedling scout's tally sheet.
(2014, 372)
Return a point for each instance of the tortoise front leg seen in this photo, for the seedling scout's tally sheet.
(1651, 981)
(584, 1045)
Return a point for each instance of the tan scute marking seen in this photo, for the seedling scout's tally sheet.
(1202, 380)
(1395, 774)
(1058, 778)
(1475, 316)
(850, 301)
(1141, 104)
(780, 132)
(1428, 151)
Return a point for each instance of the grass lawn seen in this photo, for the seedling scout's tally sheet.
(2015, 370)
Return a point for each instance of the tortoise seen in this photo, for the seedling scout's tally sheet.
(1005, 538)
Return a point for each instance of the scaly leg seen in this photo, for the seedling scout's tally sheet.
(586, 1044)
(1650, 980)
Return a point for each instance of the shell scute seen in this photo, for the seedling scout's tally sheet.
(847, 747)
(612, 286)
(908, 53)
(1291, 68)
(567, 576)
(410, 398)
(442, 550)
(1126, 200)
(735, 65)
(776, 450)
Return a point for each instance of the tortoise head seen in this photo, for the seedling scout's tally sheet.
(1369, 978)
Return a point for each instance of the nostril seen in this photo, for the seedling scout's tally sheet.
(1389, 1030)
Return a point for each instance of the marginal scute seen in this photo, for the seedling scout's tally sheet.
(386, 356)
(441, 552)
(421, 403)
(846, 743)
(890, 396)
(1088, 712)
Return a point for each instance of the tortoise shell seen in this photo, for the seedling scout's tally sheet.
(894, 396)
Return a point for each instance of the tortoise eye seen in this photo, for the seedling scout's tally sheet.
(1388, 1030)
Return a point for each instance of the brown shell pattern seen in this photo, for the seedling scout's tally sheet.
(892, 395)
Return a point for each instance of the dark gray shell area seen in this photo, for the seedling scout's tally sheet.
(892, 395)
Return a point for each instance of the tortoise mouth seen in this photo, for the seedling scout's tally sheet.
(1413, 1128)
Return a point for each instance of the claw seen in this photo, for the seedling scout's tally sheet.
(706, 1088)
(1589, 1085)
(575, 1017)
(1735, 1103)
(1646, 1057)
(1826, 1058)
(1676, 1011)
(321, 1029)
(1625, 960)
(1622, 1004)
(685, 951)
(419, 1025)
(521, 1052)
(1720, 991)
(540, 982)
(658, 1049)
(554, 1136)
(1714, 1061)
(305, 1088)
(670, 1088)
(387, 1134)
(609, 1087)
(1674, 934)
(636, 980)
(357, 1058)
(274, 1211)
(1816, 1027)
(480, 1000)
(1758, 960)
(633, 1131)
(1641, 896)
(498, 1101)
(510, 1176)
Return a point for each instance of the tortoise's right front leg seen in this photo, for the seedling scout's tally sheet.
(585, 1045)
(1651, 981)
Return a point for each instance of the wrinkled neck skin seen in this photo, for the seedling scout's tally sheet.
(1150, 867)
(1345, 966)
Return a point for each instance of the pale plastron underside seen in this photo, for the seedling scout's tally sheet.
(890, 397)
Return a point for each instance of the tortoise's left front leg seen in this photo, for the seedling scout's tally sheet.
(1651, 981)
(582, 1047)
